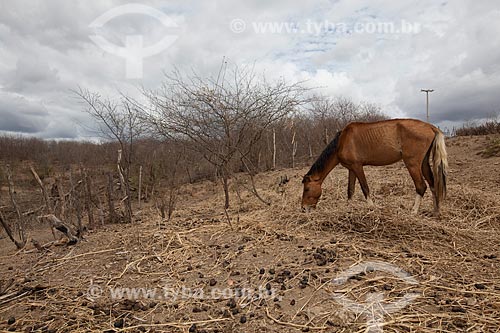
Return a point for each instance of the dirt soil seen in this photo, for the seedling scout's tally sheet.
(276, 269)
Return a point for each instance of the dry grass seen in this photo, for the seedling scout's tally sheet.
(455, 262)
(492, 149)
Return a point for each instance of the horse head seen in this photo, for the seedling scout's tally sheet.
(311, 193)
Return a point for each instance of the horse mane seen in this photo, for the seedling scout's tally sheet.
(320, 163)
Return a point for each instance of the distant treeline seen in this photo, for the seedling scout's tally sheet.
(293, 141)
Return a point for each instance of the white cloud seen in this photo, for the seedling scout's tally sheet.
(45, 51)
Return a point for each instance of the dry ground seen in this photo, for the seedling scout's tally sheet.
(275, 266)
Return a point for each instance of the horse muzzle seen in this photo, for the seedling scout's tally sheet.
(307, 209)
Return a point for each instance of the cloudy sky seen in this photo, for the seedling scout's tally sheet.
(378, 51)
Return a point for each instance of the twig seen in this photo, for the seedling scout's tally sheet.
(176, 324)
(292, 324)
(87, 254)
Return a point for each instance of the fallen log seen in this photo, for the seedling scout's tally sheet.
(60, 226)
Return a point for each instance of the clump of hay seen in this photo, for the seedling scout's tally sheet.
(492, 149)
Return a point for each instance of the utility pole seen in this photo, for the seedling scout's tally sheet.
(427, 91)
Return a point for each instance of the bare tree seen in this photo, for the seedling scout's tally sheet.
(117, 120)
(20, 219)
(220, 117)
(322, 109)
(331, 114)
(19, 243)
(346, 110)
(370, 112)
(110, 196)
(8, 230)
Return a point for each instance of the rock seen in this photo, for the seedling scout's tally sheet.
(489, 256)
(231, 303)
(119, 323)
(461, 323)
(471, 301)
(456, 308)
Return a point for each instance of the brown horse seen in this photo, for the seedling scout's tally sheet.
(383, 143)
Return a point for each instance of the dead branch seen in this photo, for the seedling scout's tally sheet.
(88, 198)
(60, 226)
(111, 205)
(44, 190)
(5, 225)
(62, 199)
(140, 186)
(20, 220)
(33, 211)
(253, 190)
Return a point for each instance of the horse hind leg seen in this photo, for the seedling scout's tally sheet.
(416, 174)
(416, 205)
(429, 177)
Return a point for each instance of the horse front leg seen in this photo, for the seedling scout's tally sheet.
(351, 186)
(360, 174)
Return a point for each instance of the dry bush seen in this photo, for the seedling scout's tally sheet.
(492, 149)
(488, 127)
